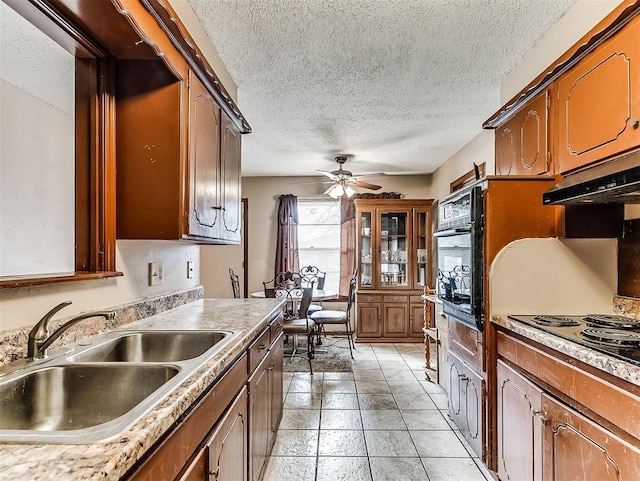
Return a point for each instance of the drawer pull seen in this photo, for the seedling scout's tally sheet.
(369, 298)
(215, 473)
(262, 346)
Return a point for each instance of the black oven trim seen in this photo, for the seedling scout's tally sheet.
(474, 317)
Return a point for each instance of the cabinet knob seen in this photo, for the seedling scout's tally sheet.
(541, 413)
(369, 298)
(215, 473)
(635, 123)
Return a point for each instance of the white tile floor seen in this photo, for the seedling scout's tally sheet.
(381, 422)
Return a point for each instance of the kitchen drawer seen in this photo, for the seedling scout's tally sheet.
(416, 299)
(397, 299)
(369, 298)
(259, 349)
(276, 328)
(467, 342)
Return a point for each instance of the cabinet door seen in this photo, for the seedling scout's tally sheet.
(227, 447)
(519, 427)
(369, 322)
(395, 322)
(366, 248)
(521, 143)
(230, 165)
(204, 161)
(532, 146)
(576, 448)
(421, 248)
(466, 402)
(598, 103)
(394, 242)
(505, 149)
(416, 319)
(260, 413)
(276, 366)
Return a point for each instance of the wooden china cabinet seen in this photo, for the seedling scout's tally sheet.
(393, 258)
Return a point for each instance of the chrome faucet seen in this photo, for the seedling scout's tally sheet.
(39, 337)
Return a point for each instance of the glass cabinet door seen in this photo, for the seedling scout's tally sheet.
(420, 230)
(366, 249)
(394, 242)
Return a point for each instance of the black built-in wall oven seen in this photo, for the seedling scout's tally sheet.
(459, 252)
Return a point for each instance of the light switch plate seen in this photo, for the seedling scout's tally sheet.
(156, 273)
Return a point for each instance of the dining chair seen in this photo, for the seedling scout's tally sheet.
(235, 284)
(324, 316)
(311, 275)
(301, 325)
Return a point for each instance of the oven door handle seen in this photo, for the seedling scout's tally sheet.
(452, 232)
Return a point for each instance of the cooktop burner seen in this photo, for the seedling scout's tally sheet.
(555, 321)
(617, 336)
(612, 337)
(616, 322)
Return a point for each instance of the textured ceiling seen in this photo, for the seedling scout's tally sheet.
(399, 84)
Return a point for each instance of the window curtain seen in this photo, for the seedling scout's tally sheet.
(287, 235)
(348, 236)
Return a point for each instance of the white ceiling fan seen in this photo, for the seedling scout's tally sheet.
(344, 180)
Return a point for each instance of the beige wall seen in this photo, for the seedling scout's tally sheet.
(22, 307)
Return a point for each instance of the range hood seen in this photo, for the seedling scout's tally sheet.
(614, 182)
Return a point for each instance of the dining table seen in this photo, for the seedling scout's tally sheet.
(318, 294)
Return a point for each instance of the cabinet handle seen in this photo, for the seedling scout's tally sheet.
(217, 207)
(261, 346)
(216, 472)
(635, 123)
(541, 413)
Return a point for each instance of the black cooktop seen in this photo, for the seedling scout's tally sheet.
(618, 336)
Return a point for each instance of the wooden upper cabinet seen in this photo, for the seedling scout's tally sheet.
(522, 142)
(231, 191)
(598, 102)
(204, 160)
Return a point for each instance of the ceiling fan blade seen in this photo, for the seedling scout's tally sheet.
(313, 182)
(331, 175)
(379, 175)
(366, 185)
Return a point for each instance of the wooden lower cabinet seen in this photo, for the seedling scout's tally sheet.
(265, 407)
(391, 317)
(228, 435)
(520, 425)
(227, 447)
(467, 402)
(543, 438)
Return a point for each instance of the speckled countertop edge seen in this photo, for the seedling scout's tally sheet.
(111, 460)
(616, 367)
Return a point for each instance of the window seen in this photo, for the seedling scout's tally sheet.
(319, 237)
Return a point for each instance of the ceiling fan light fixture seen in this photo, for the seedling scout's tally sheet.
(339, 190)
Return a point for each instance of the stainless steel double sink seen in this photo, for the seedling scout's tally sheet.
(102, 387)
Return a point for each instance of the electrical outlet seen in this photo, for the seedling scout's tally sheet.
(156, 273)
(189, 269)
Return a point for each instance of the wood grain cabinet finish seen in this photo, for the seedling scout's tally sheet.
(265, 406)
(394, 239)
(467, 402)
(520, 426)
(522, 142)
(557, 422)
(165, 191)
(599, 109)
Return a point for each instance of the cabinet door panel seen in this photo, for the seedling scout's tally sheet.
(228, 446)
(533, 138)
(597, 105)
(230, 165)
(395, 321)
(204, 160)
(416, 323)
(505, 150)
(519, 427)
(474, 403)
(260, 413)
(277, 369)
(369, 320)
(577, 448)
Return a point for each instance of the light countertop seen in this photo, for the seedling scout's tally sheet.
(609, 364)
(111, 460)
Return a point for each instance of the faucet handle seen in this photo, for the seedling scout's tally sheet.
(41, 329)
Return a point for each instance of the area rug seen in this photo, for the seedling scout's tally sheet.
(336, 358)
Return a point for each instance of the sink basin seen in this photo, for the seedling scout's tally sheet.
(152, 346)
(75, 397)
